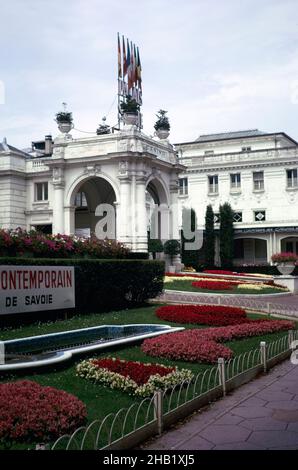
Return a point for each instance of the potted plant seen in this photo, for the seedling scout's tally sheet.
(64, 120)
(285, 262)
(162, 125)
(172, 248)
(155, 246)
(129, 110)
(103, 128)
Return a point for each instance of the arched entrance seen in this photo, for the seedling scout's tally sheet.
(85, 198)
(157, 207)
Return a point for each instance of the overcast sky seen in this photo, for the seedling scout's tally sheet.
(215, 65)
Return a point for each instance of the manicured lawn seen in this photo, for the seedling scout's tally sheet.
(186, 286)
(100, 400)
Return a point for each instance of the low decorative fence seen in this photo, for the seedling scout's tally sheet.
(129, 427)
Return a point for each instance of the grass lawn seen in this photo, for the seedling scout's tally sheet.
(100, 400)
(185, 285)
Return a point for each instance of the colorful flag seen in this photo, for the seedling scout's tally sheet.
(124, 57)
(119, 58)
(129, 67)
(139, 70)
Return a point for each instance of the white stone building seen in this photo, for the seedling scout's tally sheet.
(256, 173)
(58, 185)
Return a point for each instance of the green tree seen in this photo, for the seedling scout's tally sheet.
(209, 237)
(226, 235)
(189, 257)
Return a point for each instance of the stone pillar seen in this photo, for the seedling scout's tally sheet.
(69, 222)
(174, 219)
(58, 200)
(141, 243)
(123, 218)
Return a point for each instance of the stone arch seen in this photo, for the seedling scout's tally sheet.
(97, 189)
(158, 214)
(289, 243)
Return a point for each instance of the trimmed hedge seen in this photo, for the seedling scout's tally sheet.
(105, 284)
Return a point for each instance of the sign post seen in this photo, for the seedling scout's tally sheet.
(36, 288)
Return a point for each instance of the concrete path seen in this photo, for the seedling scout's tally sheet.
(262, 414)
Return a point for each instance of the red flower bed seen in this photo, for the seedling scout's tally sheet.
(215, 285)
(203, 345)
(214, 315)
(139, 373)
(30, 412)
(222, 271)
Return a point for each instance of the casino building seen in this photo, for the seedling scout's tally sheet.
(58, 185)
(256, 172)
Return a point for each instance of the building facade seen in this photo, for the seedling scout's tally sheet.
(256, 173)
(69, 186)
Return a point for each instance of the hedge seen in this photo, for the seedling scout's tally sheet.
(105, 284)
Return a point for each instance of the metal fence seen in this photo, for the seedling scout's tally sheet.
(129, 427)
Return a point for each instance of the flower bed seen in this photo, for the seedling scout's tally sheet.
(215, 285)
(203, 345)
(213, 315)
(132, 377)
(30, 412)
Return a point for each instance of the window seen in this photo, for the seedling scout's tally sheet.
(237, 217)
(81, 200)
(258, 179)
(292, 181)
(213, 184)
(260, 216)
(183, 186)
(41, 191)
(235, 179)
(246, 149)
(209, 152)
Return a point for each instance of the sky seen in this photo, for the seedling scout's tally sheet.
(214, 65)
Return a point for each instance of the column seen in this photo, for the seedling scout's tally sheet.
(58, 208)
(141, 243)
(69, 222)
(123, 218)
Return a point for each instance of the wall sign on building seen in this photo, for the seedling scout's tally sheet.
(36, 288)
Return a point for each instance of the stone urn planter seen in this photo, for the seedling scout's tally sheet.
(162, 134)
(172, 269)
(130, 119)
(285, 268)
(65, 127)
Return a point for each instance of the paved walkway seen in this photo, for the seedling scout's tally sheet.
(262, 414)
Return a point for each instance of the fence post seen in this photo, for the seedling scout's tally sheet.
(222, 375)
(269, 308)
(2, 352)
(291, 339)
(263, 355)
(158, 410)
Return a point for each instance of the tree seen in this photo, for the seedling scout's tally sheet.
(226, 235)
(155, 246)
(209, 237)
(189, 257)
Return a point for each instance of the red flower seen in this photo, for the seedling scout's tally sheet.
(139, 373)
(30, 412)
(215, 315)
(203, 344)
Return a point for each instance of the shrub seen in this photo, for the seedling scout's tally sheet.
(172, 248)
(35, 244)
(30, 412)
(202, 345)
(132, 377)
(213, 315)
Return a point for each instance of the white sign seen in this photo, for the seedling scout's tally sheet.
(83, 232)
(34, 288)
